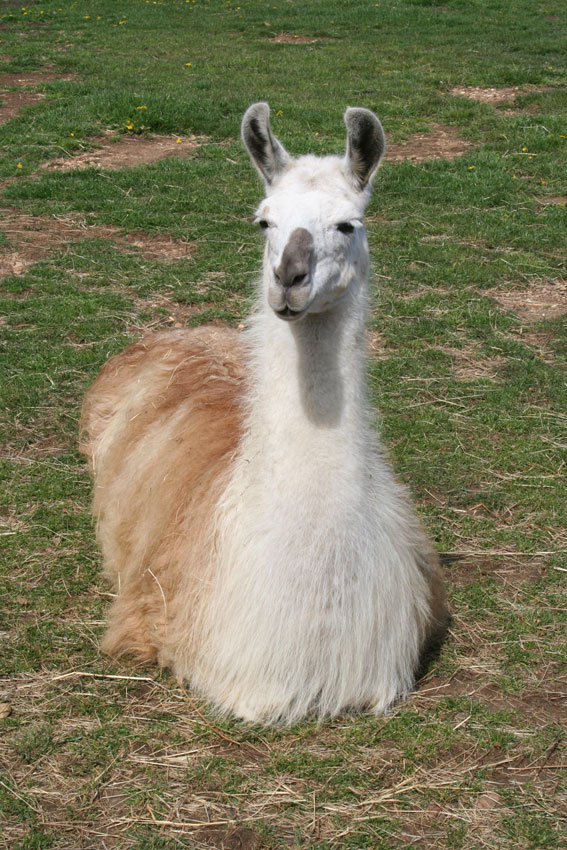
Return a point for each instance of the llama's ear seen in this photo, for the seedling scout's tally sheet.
(366, 144)
(267, 154)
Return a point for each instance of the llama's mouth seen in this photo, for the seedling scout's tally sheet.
(288, 314)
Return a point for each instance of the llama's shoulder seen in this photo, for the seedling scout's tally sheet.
(162, 374)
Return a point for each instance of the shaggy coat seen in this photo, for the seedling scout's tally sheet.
(257, 539)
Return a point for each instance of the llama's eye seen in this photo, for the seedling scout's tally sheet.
(263, 224)
(345, 227)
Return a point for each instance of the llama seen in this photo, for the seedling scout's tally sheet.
(258, 541)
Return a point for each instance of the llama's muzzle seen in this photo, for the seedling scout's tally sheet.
(293, 276)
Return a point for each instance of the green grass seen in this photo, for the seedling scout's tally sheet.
(469, 383)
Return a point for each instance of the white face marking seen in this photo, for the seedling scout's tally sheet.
(322, 202)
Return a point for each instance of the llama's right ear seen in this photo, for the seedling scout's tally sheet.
(267, 154)
(366, 145)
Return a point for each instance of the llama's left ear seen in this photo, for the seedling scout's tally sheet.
(267, 154)
(366, 145)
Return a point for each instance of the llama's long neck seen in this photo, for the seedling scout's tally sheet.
(308, 417)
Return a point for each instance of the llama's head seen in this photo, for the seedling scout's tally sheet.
(312, 212)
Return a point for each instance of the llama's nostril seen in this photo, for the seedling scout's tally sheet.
(288, 277)
(298, 280)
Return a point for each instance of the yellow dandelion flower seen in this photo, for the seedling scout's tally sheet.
(19, 165)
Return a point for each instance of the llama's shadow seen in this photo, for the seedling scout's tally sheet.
(323, 401)
(432, 649)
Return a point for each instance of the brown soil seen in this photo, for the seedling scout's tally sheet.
(544, 300)
(241, 838)
(534, 703)
(34, 238)
(32, 78)
(14, 101)
(120, 152)
(440, 143)
(292, 38)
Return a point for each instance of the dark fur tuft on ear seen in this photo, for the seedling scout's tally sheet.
(366, 145)
(267, 154)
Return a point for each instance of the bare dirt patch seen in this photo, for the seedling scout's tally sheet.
(553, 200)
(469, 364)
(158, 246)
(535, 704)
(14, 101)
(33, 78)
(503, 95)
(544, 300)
(439, 143)
(166, 312)
(292, 38)
(115, 153)
(35, 238)
(507, 94)
(539, 341)
(226, 839)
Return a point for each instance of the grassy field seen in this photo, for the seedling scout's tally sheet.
(126, 204)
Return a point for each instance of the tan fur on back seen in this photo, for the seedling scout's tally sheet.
(160, 426)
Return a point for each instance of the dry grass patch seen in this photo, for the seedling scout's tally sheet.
(293, 38)
(172, 769)
(375, 345)
(553, 200)
(166, 312)
(469, 365)
(545, 299)
(439, 143)
(126, 152)
(538, 341)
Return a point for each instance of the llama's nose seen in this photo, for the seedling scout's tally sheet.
(291, 277)
(295, 265)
